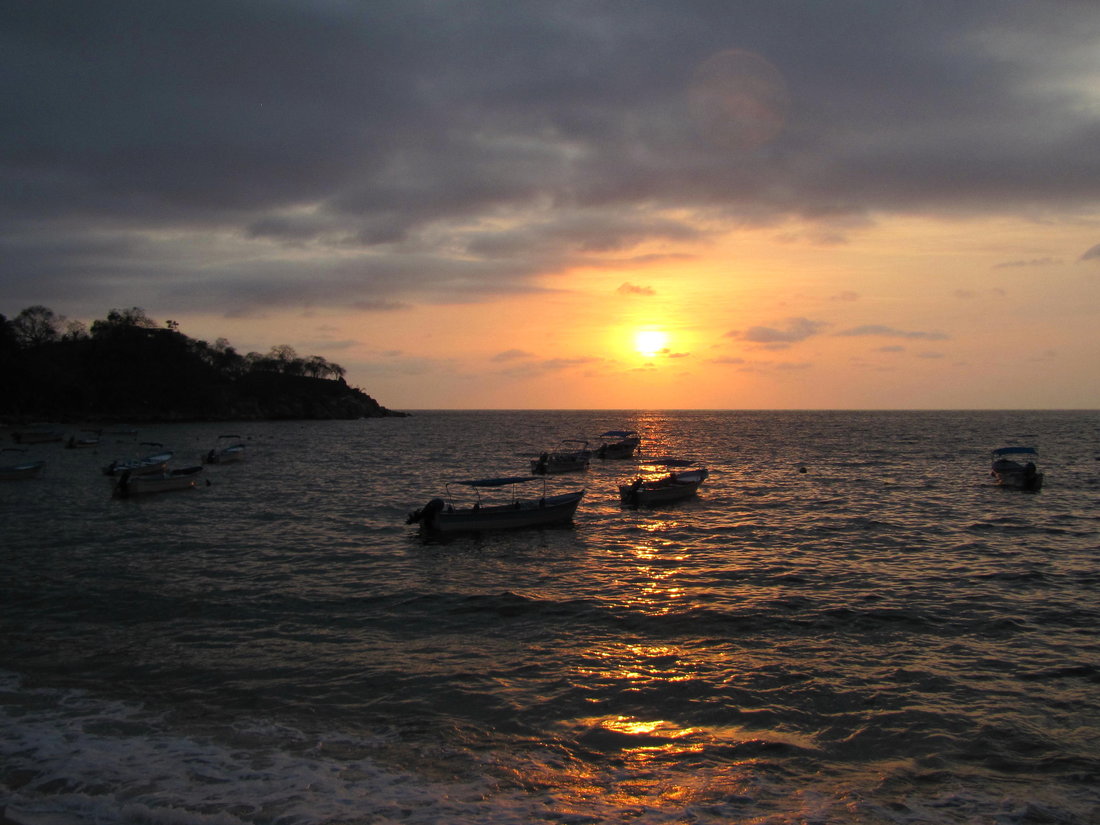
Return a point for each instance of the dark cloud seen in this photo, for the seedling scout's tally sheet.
(891, 332)
(168, 155)
(631, 289)
(793, 331)
(1033, 262)
(1091, 254)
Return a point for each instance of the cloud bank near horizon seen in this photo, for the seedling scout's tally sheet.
(235, 158)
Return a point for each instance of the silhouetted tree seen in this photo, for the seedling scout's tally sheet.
(36, 325)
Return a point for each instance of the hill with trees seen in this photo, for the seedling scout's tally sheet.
(129, 368)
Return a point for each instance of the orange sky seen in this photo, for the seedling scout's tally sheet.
(822, 205)
(903, 313)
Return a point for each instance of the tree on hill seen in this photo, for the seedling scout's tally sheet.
(128, 366)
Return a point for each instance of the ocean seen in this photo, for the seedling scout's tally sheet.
(849, 624)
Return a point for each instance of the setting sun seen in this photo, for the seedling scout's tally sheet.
(649, 342)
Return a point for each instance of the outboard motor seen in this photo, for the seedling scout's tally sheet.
(425, 513)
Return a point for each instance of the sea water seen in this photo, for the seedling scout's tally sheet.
(849, 624)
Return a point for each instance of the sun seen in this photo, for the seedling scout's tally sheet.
(649, 342)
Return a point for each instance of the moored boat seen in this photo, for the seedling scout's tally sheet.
(37, 435)
(22, 469)
(91, 439)
(129, 484)
(153, 463)
(662, 487)
(442, 516)
(618, 444)
(1016, 467)
(225, 453)
(566, 459)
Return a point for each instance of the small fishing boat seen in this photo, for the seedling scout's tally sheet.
(225, 453)
(618, 444)
(566, 459)
(1015, 467)
(19, 470)
(442, 516)
(78, 441)
(37, 435)
(660, 487)
(153, 463)
(129, 484)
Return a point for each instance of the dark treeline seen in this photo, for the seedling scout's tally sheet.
(127, 367)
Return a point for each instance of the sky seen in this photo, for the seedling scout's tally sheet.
(597, 204)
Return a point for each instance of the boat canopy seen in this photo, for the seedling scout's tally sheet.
(1015, 451)
(498, 482)
(672, 462)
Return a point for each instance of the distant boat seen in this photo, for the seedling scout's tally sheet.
(675, 485)
(565, 459)
(23, 469)
(618, 444)
(129, 484)
(439, 516)
(154, 463)
(75, 442)
(1016, 467)
(37, 435)
(225, 453)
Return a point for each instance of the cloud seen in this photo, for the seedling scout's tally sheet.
(795, 330)
(234, 156)
(1091, 254)
(511, 355)
(630, 289)
(891, 332)
(1033, 262)
(847, 295)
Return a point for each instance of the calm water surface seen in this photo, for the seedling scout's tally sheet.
(883, 638)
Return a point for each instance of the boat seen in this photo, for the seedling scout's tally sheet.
(153, 463)
(76, 442)
(664, 487)
(1015, 467)
(225, 453)
(440, 516)
(618, 444)
(22, 469)
(129, 484)
(37, 435)
(565, 459)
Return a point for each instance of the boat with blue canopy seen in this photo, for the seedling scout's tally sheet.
(443, 516)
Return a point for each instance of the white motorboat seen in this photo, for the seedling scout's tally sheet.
(442, 516)
(660, 487)
(566, 459)
(618, 444)
(22, 469)
(229, 449)
(129, 484)
(153, 463)
(1016, 467)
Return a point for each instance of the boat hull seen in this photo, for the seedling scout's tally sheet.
(522, 513)
(147, 484)
(675, 487)
(553, 466)
(1018, 479)
(228, 455)
(613, 451)
(15, 472)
